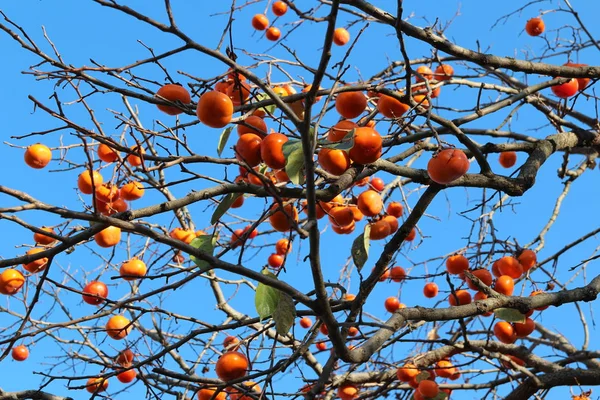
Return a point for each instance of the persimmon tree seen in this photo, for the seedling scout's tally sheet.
(306, 215)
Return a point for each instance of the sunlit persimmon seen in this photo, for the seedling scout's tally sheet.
(215, 109)
(507, 159)
(341, 130)
(341, 36)
(86, 182)
(133, 269)
(173, 93)
(106, 153)
(334, 161)
(94, 293)
(350, 104)
(42, 239)
(252, 124)
(231, 365)
(379, 230)
(505, 332)
(535, 26)
(137, 157)
(132, 191)
(248, 149)
(447, 166)
(260, 22)
(11, 281)
(505, 285)
(118, 327)
(459, 298)
(367, 146)
(20, 353)
(456, 264)
(390, 107)
(283, 218)
(38, 265)
(271, 150)
(108, 237)
(38, 156)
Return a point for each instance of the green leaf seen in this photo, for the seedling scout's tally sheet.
(223, 139)
(294, 161)
(266, 298)
(509, 314)
(345, 144)
(360, 250)
(422, 376)
(267, 109)
(205, 244)
(285, 313)
(223, 206)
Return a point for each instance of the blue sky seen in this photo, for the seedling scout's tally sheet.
(84, 31)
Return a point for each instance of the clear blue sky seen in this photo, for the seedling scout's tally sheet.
(82, 30)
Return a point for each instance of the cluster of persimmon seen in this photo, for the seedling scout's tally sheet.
(123, 361)
(260, 22)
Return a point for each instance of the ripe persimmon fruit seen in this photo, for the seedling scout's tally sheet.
(425, 72)
(507, 159)
(430, 290)
(527, 259)
(344, 229)
(260, 22)
(42, 239)
(524, 329)
(392, 222)
(397, 274)
(11, 281)
(367, 146)
(483, 275)
(118, 327)
(238, 93)
(566, 90)
(20, 353)
(38, 156)
(173, 93)
(255, 124)
(94, 293)
(231, 365)
(249, 386)
(350, 104)
(341, 36)
(275, 260)
(407, 372)
(456, 264)
(505, 285)
(443, 72)
(38, 265)
(341, 216)
(392, 304)
(445, 369)
(271, 150)
(334, 161)
(447, 166)
(505, 332)
(459, 298)
(248, 149)
(370, 203)
(510, 266)
(84, 181)
(581, 82)
(94, 385)
(340, 130)
(127, 376)
(282, 218)
(347, 392)
(107, 192)
(379, 230)
(183, 235)
(273, 34)
(283, 246)
(535, 26)
(279, 8)
(215, 109)
(209, 394)
(133, 269)
(411, 235)
(137, 157)
(106, 153)
(428, 389)
(395, 209)
(390, 107)
(108, 237)
(377, 184)
(132, 191)
(305, 322)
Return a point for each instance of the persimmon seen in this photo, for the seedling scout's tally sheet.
(95, 293)
(379, 230)
(425, 72)
(137, 157)
(385, 275)
(38, 265)
(367, 146)
(336, 201)
(222, 86)
(20, 353)
(445, 369)
(447, 166)
(581, 82)
(430, 290)
(42, 239)
(215, 109)
(275, 260)
(133, 269)
(271, 150)
(527, 259)
(237, 238)
(231, 343)
(390, 107)
(507, 159)
(334, 161)
(183, 235)
(515, 360)
(253, 124)
(392, 304)
(279, 8)
(395, 209)
(111, 208)
(535, 26)
(341, 36)
(11, 281)
(107, 192)
(524, 329)
(248, 149)
(238, 93)
(250, 386)
(209, 394)
(38, 156)
(510, 266)
(344, 229)
(283, 246)
(459, 298)
(407, 372)
(125, 358)
(118, 327)
(378, 184)
(94, 385)
(108, 237)
(505, 285)
(132, 191)
(231, 365)
(106, 153)
(85, 184)
(350, 104)
(282, 218)
(127, 376)
(483, 275)
(340, 130)
(370, 203)
(397, 274)
(353, 331)
(238, 202)
(482, 296)
(341, 216)
(411, 235)
(495, 270)
(260, 22)
(457, 264)
(305, 322)
(566, 90)
(347, 392)
(428, 388)
(273, 34)
(443, 72)
(391, 221)
(173, 93)
(505, 332)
